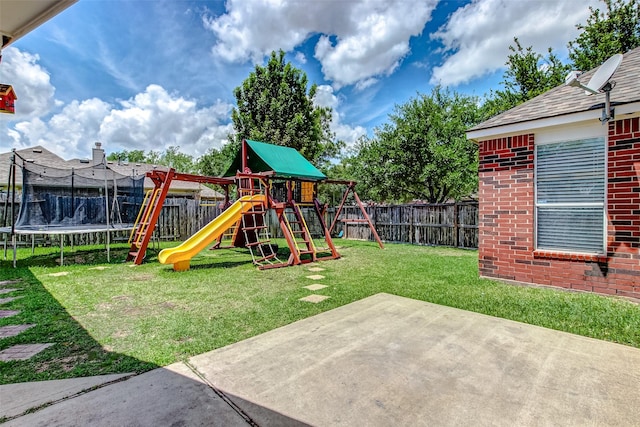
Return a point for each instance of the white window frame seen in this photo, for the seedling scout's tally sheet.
(570, 135)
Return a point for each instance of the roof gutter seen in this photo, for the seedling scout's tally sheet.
(476, 135)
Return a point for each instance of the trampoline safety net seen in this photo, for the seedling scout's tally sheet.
(80, 197)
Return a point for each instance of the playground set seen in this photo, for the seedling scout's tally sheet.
(268, 178)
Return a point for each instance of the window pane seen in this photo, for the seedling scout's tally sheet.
(572, 229)
(570, 172)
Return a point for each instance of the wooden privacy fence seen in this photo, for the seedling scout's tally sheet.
(447, 224)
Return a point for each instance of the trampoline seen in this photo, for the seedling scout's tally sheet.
(82, 198)
(59, 231)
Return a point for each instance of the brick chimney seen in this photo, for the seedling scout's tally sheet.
(97, 154)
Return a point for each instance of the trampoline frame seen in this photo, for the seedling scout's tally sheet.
(60, 231)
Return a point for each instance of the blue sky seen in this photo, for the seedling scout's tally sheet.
(149, 74)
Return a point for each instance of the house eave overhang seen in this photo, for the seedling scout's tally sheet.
(628, 109)
(20, 17)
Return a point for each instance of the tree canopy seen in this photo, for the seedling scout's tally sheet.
(171, 157)
(273, 106)
(423, 152)
(614, 30)
(216, 161)
(528, 75)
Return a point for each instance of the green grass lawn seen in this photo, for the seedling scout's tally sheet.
(119, 318)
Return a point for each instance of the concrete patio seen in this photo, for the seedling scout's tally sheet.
(384, 360)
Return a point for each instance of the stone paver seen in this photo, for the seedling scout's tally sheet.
(9, 299)
(316, 269)
(13, 330)
(8, 282)
(61, 273)
(8, 290)
(314, 298)
(101, 267)
(315, 277)
(8, 313)
(22, 351)
(315, 287)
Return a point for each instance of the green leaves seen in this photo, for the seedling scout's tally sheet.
(528, 75)
(273, 106)
(423, 152)
(615, 30)
(216, 162)
(171, 157)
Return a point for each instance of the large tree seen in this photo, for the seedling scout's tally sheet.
(216, 161)
(273, 105)
(133, 156)
(528, 75)
(422, 153)
(614, 30)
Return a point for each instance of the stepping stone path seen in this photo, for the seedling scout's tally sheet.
(13, 330)
(22, 351)
(8, 313)
(9, 299)
(19, 351)
(315, 287)
(315, 298)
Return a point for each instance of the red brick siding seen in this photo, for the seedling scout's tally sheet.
(506, 246)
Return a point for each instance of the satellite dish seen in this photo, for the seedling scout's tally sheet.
(603, 74)
(599, 83)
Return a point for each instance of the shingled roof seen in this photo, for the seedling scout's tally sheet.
(565, 100)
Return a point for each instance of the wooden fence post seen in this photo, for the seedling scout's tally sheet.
(456, 231)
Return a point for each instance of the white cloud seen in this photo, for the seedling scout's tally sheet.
(301, 58)
(69, 133)
(325, 97)
(156, 119)
(361, 39)
(477, 36)
(151, 120)
(30, 82)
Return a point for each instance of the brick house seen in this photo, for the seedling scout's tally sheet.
(559, 190)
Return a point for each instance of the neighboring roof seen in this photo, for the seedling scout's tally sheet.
(285, 162)
(128, 168)
(566, 100)
(41, 156)
(18, 17)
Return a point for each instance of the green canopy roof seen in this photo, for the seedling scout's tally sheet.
(286, 162)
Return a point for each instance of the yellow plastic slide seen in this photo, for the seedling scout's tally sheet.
(181, 255)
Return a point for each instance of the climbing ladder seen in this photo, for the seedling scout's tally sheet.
(148, 215)
(256, 237)
(297, 234)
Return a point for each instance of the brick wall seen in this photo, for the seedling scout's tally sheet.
(506, 228)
